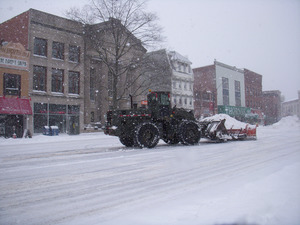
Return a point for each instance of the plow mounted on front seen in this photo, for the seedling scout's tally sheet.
(216, 130)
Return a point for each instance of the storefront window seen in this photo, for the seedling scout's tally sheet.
(57, 109)
(65, 117)
(73, 109)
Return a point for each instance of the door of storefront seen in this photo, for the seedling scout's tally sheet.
(74, 125)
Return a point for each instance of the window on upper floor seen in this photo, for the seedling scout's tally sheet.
(57, 80)
(58, 50)
(225, 87)
(40, 47)
(237, 88)
(92, 83)
(74, 53)
(12, 84)
(74, 82)
(39, 78)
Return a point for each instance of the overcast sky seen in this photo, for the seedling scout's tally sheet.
(260, 35)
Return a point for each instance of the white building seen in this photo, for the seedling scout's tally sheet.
(230, 85)
(291, 108)
(182, 81)
(172, 72)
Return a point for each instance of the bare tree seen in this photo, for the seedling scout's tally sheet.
(119, 31)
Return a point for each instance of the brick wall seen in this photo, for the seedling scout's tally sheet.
(205, 93)
(19, 33)
(253, 89)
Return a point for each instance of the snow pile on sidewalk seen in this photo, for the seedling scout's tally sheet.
(230, 122)
(288, 122)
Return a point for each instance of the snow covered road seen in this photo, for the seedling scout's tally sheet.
(93, 179)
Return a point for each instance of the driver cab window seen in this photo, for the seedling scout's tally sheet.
(164, 99)
(151, 98)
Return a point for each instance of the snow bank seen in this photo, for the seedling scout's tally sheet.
(288, 122)
(230, 122)
(40, 138)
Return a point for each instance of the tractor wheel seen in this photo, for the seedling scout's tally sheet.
(146, 135)
(189, 133)
(127, 141)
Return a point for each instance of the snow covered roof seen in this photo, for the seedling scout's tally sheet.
(177, 57)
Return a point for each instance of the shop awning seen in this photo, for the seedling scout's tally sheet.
(15, 106)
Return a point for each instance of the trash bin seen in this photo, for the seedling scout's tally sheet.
(46, 131)
(54, 130)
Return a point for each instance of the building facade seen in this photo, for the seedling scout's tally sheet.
(171, 72)
(69, 85)
(107, 89)
(15, 109)
(220, 88)
(291, 108)
(271, 104)
(56, 68)
(253, 95)
(182, 81)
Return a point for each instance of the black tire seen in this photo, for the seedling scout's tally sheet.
(146, 135)
(127, 141)
(189, 133)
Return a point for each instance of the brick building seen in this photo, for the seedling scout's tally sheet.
(15, 106)
(220, 88)
(271, 105)
(68, 84)
(205, 91)
(56, 68)
(253, 95)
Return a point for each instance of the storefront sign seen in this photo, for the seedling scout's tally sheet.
(14, 55)
(13, 62)
(233, 110)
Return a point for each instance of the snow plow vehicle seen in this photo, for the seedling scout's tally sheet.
(222, 127)
(144, 127)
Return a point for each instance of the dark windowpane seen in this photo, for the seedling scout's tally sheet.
(57, 80)
(40, 47)
(39, 121)
(92, 117)
(73, 109)
(40, 108)
(12, 84)
(225, 86)
(39, 78)
(74, 82)
(57, 109)
(74, 53)
(237, 86)
(92, 83)
(58, 50)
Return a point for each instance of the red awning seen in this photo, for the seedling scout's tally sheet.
(15, 106)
